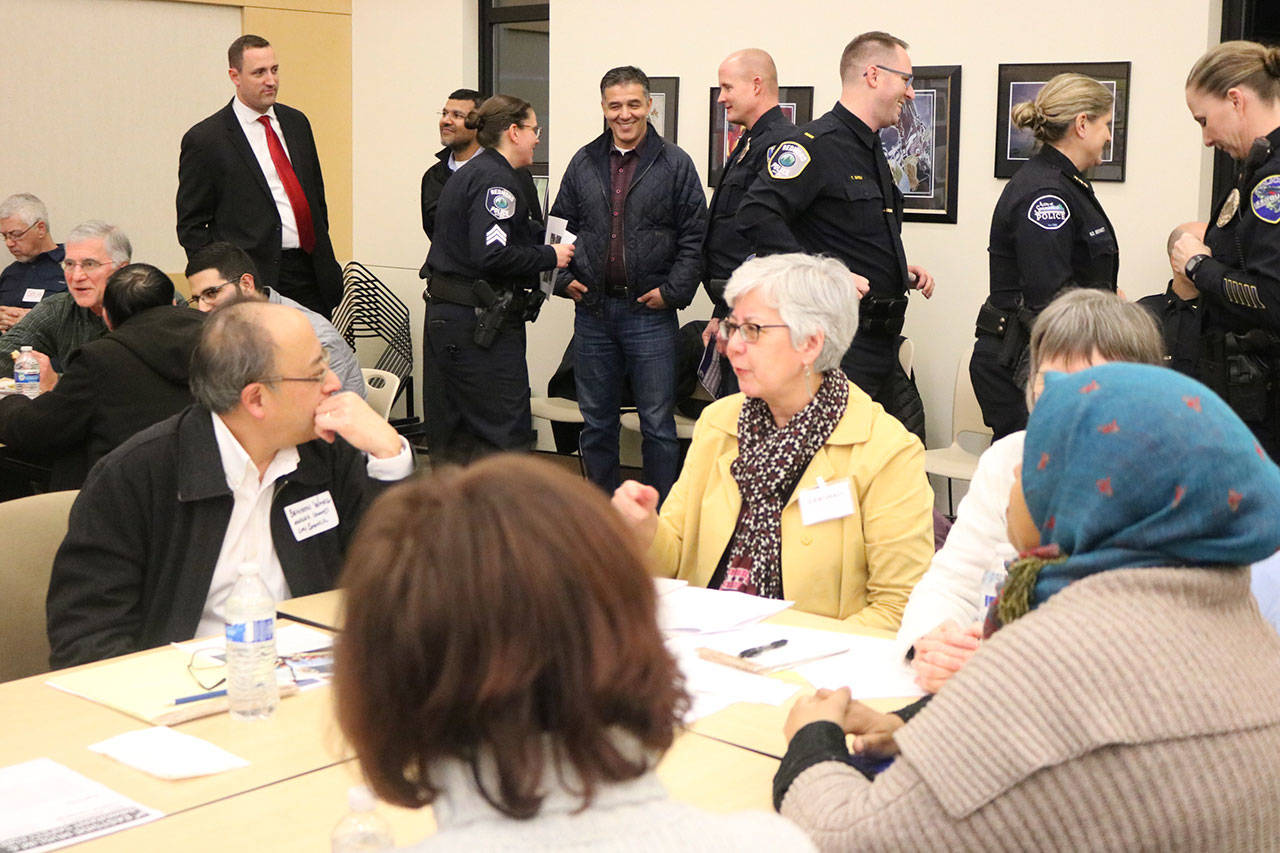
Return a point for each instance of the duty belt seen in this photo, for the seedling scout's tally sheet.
(472, 292)
(1013, 327)
(882, 315)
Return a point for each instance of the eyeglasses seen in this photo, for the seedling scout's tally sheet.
(537, 130)
(904, 75)
(208, 295)
(208, 667)
(453, 114)
(319, 377)
(88, 265)
(750, 331)
(14, 235)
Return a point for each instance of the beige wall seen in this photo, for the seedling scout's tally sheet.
(406, 58)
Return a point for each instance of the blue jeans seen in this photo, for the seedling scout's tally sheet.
(617, 337)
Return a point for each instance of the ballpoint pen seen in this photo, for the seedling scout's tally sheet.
(758, 650)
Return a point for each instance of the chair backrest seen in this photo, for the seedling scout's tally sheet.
(39, 524)
(380, 387)
(907, 355)
(370, 310)
(966, 414)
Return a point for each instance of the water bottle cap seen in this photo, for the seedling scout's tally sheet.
(248, 568)
(26, 349)
(360, 799)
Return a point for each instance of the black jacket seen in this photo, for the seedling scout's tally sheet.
(666, 214)
(112, 388)
(1049, 232)
(223, 195)
(145, 532)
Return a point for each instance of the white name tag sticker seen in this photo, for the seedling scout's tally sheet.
(826, 501)
(33, 294)
(312, 515)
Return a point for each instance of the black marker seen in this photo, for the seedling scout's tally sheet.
(759, 650)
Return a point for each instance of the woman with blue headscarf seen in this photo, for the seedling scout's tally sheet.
(1128, 692)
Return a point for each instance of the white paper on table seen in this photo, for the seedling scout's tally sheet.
(704, 705)
(666, 585)
(47, 806)
(803, 644)
(168, 754)
(557, 232)
(713, 686)
(872, 669)
(695, 609)
(291, 639)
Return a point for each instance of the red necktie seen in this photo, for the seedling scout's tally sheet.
(293, 189)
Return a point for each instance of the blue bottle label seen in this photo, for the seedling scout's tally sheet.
(258, 631)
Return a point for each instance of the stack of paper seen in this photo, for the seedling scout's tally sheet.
(781, 647)
(47, 806)
(695, 609)
(872, 669)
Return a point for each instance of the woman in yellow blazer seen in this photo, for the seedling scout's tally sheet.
(799, 487)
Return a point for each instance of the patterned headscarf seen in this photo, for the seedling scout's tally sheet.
(1128, 466)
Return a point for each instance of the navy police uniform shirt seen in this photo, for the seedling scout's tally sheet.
(1049, 232)
(23, 284)
(484, 228)
(725, 248)
(828, 189)
(1240, 284)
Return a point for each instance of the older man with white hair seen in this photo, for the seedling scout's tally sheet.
(36, 271)
(61, 324)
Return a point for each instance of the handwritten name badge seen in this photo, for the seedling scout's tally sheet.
(33, 294)
(312, 515)
(826, 501)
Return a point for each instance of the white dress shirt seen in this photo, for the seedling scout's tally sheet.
(257, 136)
(248, 536)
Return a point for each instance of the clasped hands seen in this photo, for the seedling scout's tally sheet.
(872, 731)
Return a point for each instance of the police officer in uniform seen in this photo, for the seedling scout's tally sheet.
(1048, 232)
(483, 285)
(828, 189)
(1233, 92)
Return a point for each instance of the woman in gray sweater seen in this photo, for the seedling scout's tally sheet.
(1128, 694)
(500, 658)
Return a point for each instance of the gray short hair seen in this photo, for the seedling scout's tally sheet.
(234, 350)
(113, 239)
(812, 293)
(26, 208)
(1082, 321)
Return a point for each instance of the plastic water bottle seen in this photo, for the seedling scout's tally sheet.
(992, 581)
(362, 830)
(26, 374)
(251, 647)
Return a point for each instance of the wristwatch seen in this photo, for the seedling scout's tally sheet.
(1194, 264)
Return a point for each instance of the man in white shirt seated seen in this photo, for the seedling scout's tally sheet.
(271, 465)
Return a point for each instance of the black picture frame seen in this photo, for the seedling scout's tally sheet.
(796, 103)
(1021, 82)
(923, 147)
(665, 114)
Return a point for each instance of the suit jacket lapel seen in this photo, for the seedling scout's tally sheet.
(235, 134)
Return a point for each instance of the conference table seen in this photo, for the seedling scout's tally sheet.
(294, 789)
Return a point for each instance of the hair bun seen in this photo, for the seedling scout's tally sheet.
(1271, 61)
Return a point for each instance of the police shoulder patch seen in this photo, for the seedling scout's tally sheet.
(1265, 199)
(788, 160)
(1049, 212)
(500, 202)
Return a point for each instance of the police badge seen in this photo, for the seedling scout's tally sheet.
(500, 202)
(788, 160)
(1229, 208)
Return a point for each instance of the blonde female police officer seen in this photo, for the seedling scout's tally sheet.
(1048, 233)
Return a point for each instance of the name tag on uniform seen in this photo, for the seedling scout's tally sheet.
(312, 515)
(826, 501)
(33, 294)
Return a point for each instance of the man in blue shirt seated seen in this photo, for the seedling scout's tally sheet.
(36, 271)
(273, 465)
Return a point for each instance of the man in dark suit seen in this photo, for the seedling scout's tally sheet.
(249, 174)
(113, 387)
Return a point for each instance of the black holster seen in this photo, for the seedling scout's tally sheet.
(1244, 369)
(490, 313)
(882, 315)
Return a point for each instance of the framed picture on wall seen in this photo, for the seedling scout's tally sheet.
(796, 103)
(665, 92)
(924, 146)
(1019, 83)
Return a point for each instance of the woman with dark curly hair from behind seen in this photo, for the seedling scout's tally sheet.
(500, 658)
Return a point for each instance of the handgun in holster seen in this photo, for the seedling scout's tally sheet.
(490, 314)
(1250, 370)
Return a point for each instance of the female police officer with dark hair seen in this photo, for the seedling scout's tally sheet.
(1233, 92)
(484, 264)
(1048, 232)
